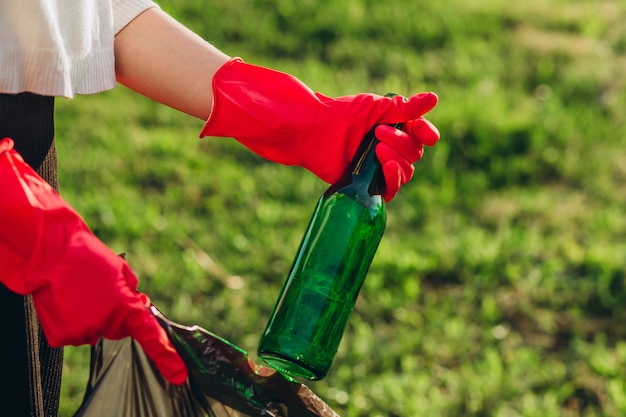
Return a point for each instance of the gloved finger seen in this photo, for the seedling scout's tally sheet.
(144, 328)
(406, 146)
(396, 170)
(6, 144)
(422, 130)
(400, 109)
(393, 175)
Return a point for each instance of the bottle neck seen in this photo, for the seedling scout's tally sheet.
(366, 169)
(363, 179)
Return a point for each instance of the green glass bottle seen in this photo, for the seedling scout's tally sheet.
(303, 334)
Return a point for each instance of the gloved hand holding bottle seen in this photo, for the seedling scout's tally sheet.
(281, 119)
(81, 289)
(278, 117)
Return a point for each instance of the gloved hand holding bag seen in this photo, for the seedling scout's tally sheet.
(81, 289)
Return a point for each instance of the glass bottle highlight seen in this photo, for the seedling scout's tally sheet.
(303, 334)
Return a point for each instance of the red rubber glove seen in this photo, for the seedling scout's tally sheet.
(81, 290)
(278, 117)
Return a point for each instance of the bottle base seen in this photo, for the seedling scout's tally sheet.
(290, 366)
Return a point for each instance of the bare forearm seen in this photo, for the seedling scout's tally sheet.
(161, 59)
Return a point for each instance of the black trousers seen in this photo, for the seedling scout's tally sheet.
(30, 370)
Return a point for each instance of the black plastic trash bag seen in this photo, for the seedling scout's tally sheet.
(223, 382)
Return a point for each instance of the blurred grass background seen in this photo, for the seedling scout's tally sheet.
(499, 287)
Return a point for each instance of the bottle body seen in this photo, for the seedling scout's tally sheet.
(318, 296)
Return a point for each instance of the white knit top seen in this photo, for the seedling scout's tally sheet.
(61, 47)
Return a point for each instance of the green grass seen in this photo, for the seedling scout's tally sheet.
(499, 287)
